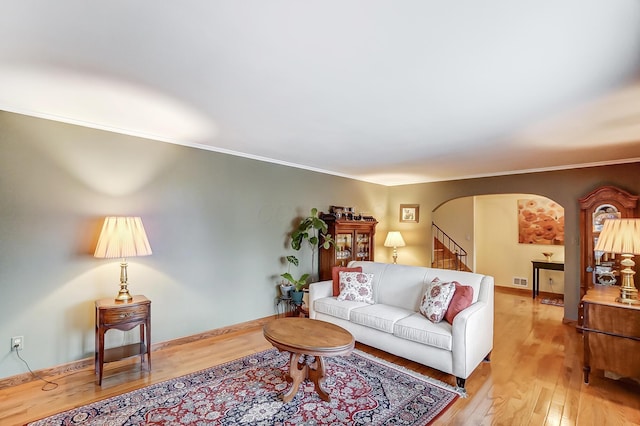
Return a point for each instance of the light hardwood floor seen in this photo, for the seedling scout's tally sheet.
(534, 377)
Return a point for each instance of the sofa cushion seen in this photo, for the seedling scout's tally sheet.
(419, 329)
(379, 316)
(336, 308)
(462, 299)
(356, 286)
(335, 276)
(436, 299)
(396, 285)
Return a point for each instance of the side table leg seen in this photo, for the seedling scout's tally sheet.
(297, 372)
(586, 370)
(100, 355)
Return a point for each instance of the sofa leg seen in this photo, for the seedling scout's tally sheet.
(460, 382)
(488, 357)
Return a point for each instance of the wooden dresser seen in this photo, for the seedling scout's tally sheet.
(611, 333)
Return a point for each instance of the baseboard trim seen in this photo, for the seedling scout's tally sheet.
(86, 363)
(527, 292)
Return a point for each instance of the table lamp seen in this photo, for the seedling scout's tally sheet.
(122, 237)
(622, 236)
(394, 239)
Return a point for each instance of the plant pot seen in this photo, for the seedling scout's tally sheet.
(296, 296)
(285, 290)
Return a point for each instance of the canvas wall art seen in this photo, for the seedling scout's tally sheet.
(540, 221)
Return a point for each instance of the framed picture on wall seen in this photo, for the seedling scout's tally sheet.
(540, 221)
(410, 213)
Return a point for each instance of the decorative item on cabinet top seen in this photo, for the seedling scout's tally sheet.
(345, 214)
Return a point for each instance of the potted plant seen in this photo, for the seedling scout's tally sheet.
(313, 230)
(285, 289)
(296, 285)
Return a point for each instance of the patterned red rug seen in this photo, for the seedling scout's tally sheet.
(364, 391)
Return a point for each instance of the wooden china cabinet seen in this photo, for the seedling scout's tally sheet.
(611, 329)
(354, 240)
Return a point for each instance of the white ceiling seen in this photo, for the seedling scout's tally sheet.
(391, 92)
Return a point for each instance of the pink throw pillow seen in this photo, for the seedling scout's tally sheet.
(335, 275)
(462, 299)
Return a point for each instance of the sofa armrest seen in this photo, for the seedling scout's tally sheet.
(317, 291)
(473, 332)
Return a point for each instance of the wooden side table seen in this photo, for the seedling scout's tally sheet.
(541, 264)
(122, 316)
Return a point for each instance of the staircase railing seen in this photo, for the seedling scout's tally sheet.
(446, 253)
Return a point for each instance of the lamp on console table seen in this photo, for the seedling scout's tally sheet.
(122, 237)
(622, 236)
(394, 239)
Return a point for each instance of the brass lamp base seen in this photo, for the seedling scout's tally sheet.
(628, 296)
(123, 294)
(628, 290)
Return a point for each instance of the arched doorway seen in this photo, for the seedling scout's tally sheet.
(488, 228)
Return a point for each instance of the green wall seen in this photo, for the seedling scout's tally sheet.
(217, 225)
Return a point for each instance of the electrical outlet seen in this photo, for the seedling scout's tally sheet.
(17, 343)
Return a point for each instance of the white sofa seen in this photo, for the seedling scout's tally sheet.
(395, 325)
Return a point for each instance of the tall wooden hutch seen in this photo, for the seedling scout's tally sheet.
(354, 240)
(611, 329)
(602, 203)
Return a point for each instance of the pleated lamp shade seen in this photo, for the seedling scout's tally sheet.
(394, 239)
(620, 236)
(122, 237)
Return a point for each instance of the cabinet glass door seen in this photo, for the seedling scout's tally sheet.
(607, 266)
(362, 246)
(344, 248)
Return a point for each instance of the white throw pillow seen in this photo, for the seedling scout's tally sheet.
(436, 299)
(356, 287)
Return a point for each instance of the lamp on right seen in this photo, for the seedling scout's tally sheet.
(394, 239)
(622, 236)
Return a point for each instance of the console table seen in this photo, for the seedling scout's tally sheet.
(122, 316)
(543, 264)
(611, 333)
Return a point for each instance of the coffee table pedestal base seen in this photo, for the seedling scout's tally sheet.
(300, 371)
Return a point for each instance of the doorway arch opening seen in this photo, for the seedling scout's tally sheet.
(504, 233)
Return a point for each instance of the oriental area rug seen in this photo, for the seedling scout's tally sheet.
(364, 390)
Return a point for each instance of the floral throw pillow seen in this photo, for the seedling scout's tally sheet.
(356, 287)
(436, 299)
(335, 276)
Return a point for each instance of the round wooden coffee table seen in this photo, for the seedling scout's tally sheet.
(308, 337)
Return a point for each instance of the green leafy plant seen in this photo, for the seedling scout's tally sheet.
(313, 230)
(297, 283)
